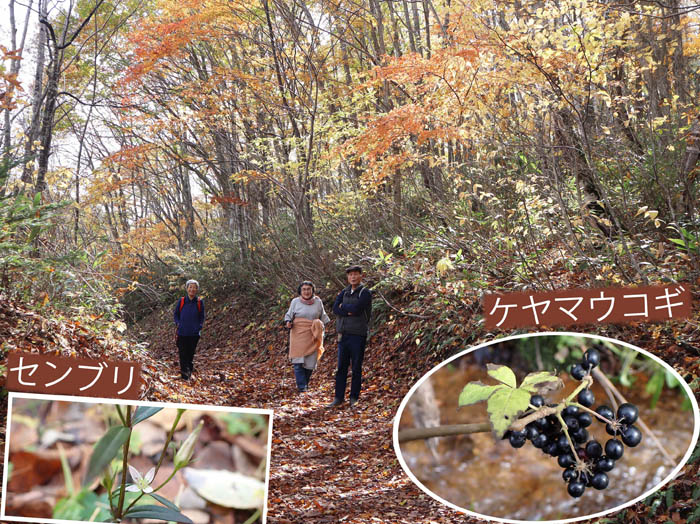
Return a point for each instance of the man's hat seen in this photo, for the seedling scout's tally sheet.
(354, 267)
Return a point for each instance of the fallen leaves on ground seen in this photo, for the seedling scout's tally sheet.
(338, 465)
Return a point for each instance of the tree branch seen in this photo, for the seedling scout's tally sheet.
(407, 435)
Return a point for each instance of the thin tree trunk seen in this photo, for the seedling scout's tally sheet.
(416, 26)
(396, 211)
(409, 28)
(426, 15)
(37, 98)
(47, 121)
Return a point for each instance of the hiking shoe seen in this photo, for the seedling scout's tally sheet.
(336, 402)
(353, 401)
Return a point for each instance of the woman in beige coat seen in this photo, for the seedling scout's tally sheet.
(306, 318)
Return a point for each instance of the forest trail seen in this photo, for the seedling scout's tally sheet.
(328, 465)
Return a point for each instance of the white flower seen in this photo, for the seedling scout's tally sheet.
(141, 483)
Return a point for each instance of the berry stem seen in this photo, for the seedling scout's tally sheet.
(568, 438)
(586, 382)
(605, 382)
(594, 413)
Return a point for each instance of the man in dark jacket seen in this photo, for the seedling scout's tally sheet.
(353, 307)
(189, 317)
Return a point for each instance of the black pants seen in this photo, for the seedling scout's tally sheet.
(185, 348)
(351, 350)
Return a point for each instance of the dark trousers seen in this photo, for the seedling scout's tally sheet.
(351, 350)
(185, 347)
(302, 376)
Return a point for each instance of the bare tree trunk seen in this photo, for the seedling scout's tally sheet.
(396, 211)
(51, 99)
(190, 232)
(426, 14)
(14, 71)
(47, 120)
(409, 28)
(689, 172)
(37, 97)
(394, 29)
(416, 27)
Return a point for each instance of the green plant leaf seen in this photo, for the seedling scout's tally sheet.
(82, 506)
(502, 373)
(541, 382)
(655, 386)
(104, 451)
(157, 512)
(476, 392)
(504, 406)
(142, 413)
(164, 501)
(34, 233)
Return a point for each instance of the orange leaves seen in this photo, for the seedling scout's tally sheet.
(168, 34)
(386, 141)
(130, 156)
(229, 199)
(8, 81)
(158, 40)
(440, 93)
(10, 55)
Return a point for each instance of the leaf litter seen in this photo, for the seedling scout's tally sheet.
(334, 465)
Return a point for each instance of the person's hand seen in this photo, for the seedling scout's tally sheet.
(288, 325)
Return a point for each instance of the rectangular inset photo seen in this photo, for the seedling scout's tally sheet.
(77, 459)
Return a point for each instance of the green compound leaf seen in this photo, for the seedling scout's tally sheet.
(541, 382)
(502, 373)
(476, 392)
(504, 406)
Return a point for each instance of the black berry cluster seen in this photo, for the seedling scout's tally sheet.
(592, 462)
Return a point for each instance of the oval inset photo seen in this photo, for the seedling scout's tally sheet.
(546, 427)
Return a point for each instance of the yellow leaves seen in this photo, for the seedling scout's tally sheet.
(605, 97)
(649, 214)
(443, 266)
(658, 121)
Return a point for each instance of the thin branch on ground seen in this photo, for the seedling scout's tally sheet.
(413, 315)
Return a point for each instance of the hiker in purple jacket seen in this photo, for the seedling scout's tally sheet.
(189, 317)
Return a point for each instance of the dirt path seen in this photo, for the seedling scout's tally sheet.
(328, 465)
(332, 465)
